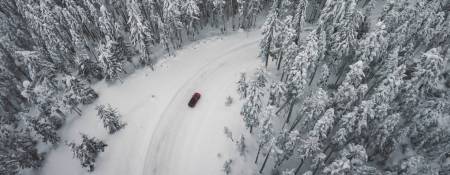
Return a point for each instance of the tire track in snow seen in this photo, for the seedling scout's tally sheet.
(158, 149)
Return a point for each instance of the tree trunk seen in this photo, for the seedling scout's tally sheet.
(265, 161)
(282, 107)
(279, 63)
(315, 169)
(290, 111)
(338, 77)
(287, 77)
(297, 121)
(313, 75)
(11, 105)
(257, 154)
(298, 167)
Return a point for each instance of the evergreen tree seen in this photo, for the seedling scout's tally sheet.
(266, 130)
(261, 79)
(111, 65)
(219, 11)
(87, 151)
(242, 86)
(284, 146)
(110, 118)
(352, 160)
(252, 106)
(140, 34)
(191, 16)
(44, 128)
(276, 93)
(269, 29)
(248, 9)
(12, 161)
(88, 69)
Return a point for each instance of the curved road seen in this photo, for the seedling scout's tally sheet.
(184, 139)
(163, 136)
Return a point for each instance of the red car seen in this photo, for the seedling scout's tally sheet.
(194, 99)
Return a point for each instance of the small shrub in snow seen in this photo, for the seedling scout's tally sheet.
(242, 148)
(242, 86)
(229, 101)
(227, 166)
(228, 133)
(88, 151)
(110, 118)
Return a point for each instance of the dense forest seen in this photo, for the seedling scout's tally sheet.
(367, 91)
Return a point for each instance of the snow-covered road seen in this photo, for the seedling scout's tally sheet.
(164, 136)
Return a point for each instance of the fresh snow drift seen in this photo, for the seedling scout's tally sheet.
(163, 135)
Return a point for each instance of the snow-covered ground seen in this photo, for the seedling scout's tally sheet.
(163, 135)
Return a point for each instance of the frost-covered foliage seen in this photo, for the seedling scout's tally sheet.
(88, 151)
(110, 117)
(367, 94)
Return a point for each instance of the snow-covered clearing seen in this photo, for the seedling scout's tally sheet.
(163, 135)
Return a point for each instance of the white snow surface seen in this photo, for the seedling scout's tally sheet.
(163, 136)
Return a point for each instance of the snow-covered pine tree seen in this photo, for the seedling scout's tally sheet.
(307, 148)
(18, 150)
(352, 160)
(107, 25)
(311, 110)
(10, 93)
(261, 78)
(248, 9)
(46, 20)
(284, 146)
(44, 128)
(191, 13)
(90, 70)
(36, 66)
(87, 151)
(269, 30)
(81, 89)
(111, 65)
(110, 117)
(299, 19)
(220, 13)
(242, 86)
(171, 25)
(266, 130)
(283, 41)
(297, 83)
(252, 106)
(140, 35)
(276, 91)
